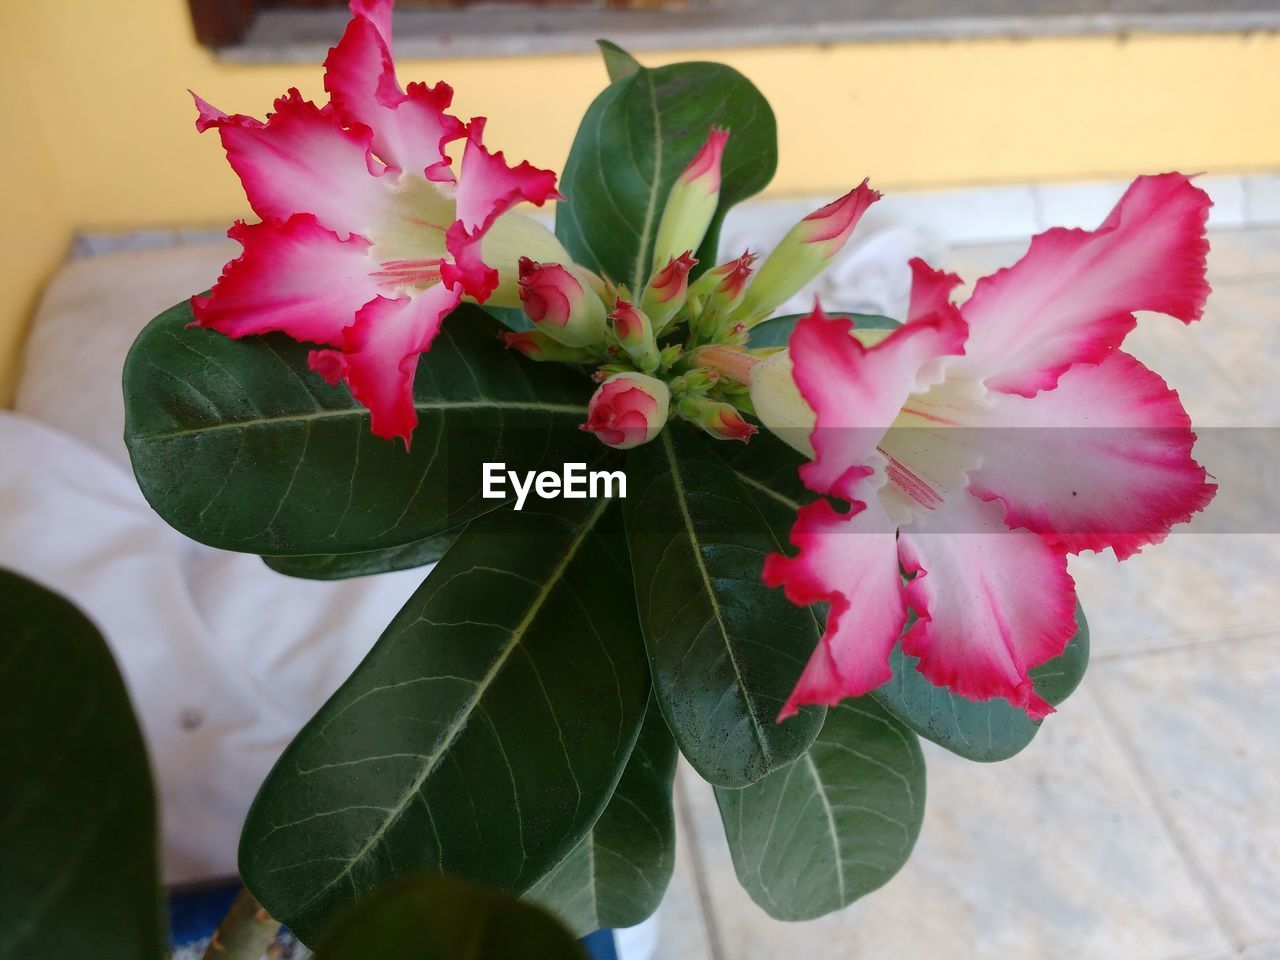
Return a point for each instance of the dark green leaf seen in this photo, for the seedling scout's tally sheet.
(616, 875)
(80, 875)
(482, 735)
(834, 825)
(986, 730)
(339, 566)
(776, 331)
(726, 650)
(237, 444)
(442, 918)
(617, 62)
(633, 142)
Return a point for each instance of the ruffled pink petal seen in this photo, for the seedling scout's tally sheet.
(991, 603)
(487, 188)
(380, 355)
(857, 392)
(1071, 299)
(1102, 460)
(930, 290)
(409, 130)
(295, 277)
(302, 160)
(849, 562)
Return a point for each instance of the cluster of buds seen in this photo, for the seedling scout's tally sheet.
(679, 345)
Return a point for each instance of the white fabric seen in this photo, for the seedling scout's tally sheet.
(224, 658)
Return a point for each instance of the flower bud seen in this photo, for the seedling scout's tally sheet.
(692, 202)
(804, 252)
(721, 420)
(536, 345)
(635, 335)
(628, 409)
(721, 288)
(559, 305)
(778, 403)
(666, 292)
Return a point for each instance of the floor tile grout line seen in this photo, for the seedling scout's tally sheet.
(1243, 634)
(1133, 758)
(700, 876)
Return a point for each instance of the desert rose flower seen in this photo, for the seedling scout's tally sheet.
(806, 250)
(367, 237)
(978, 446)
(559, 305)
(691, 205)
(666, 292)
(628, 409)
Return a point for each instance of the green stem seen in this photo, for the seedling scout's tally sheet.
(246, 932)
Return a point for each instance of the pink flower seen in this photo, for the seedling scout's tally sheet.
(1021, 433)
(628, 409)
(367, 238)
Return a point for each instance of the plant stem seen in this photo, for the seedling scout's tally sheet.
(246, 932)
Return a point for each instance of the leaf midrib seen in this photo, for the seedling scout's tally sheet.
(460, 721)
(677, 484)
(362, 413)
(642, 249)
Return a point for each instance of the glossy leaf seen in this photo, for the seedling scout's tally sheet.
(985, 730)
(339, 566)
(482, 735)
(726, 650)
(80, 875)
(635, 139)
(443, 918)
(617, 62)
(238, 445)
(834, 825)
(617, 874)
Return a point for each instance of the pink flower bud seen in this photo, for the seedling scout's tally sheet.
(628, 409)
(691, 205)
(804, 253)
(721, 420)
(634, 331)
(536, 345)
(559, 305)
(666, 292)
(721, 288)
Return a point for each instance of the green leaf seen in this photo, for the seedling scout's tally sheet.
(617, 62)
(617, 874)
(986, 730)
(238, 445)
(483, 734)
(443, 918)
(776, 331)
(634, 141)
(339, 566)
(726, 650)
(77, 813)
(834, 825)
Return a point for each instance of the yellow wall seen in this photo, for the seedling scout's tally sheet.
(101, 86)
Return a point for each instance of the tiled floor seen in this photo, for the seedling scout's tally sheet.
(1144, 821)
